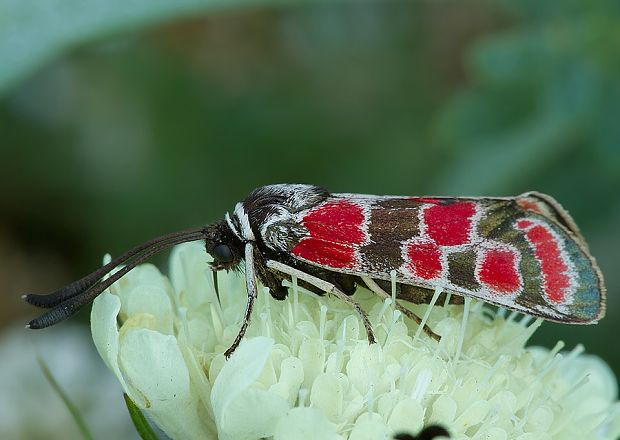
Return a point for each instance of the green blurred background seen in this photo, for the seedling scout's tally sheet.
(120, 122)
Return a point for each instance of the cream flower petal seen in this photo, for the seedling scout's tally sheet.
(305, 424)
(154, 368)
(252, 415)
(187, 274)
(369, 426)
(105, 335)
(104, 330)
(407, 416)
(235, 403)
(154, 301)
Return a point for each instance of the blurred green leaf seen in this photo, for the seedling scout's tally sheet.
(61, 393)
(511, 57)
(139, 421)
(541, 91)
(32, 32)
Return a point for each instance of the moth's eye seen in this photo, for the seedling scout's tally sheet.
(222, 253)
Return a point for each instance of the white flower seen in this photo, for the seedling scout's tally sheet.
(306, 371)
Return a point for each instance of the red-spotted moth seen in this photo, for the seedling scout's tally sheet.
(524, 253)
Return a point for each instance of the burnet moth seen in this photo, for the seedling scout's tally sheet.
(524, 253)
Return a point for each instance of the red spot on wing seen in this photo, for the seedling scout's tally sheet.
(340, 222)
(450, 225)
(499, 271)
(524, 224)
(548, 252)
(528, 205)
(424, 260)
(325, 253)
(334, 228)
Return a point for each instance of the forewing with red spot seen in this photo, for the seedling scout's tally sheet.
(335, 233)
(524, 253)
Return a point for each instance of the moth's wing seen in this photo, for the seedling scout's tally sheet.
(523, 253)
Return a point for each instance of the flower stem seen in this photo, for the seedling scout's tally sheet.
(70, 406)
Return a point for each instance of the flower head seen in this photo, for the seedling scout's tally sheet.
(306, 370)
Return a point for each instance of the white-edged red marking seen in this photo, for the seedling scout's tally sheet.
(450, 224)
(497, 268)
(529, 205)
(424, 259)
(335, 230)
(556, 268)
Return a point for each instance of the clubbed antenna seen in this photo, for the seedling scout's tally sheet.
(66, 301)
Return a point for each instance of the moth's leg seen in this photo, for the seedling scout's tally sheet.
(345, 283)
(250, 282)
(274, 283)
(326, 287)
(372, 285)
(269, 279)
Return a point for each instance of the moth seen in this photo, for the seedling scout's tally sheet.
(524, 253)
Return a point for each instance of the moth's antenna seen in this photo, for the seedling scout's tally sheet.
(68, 300)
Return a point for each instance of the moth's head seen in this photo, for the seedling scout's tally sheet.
(223, 245)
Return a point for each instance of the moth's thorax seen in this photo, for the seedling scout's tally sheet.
(270, 214)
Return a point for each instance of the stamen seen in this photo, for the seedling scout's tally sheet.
(291, 317)
(427, 313)
(396, 314)
(446, 303)
(498, 364)
(522, 338)
(343, 336)
(513, 315)
(393, 281)
(580, 383)
(554, 362)
(302, 396)
(322, 321)
(532, 328)
(576, 351)
(264, 319)
(551, 355)
(463, 328)
(217, 321)
(295, 296)
(421, 385)
(387, 303)
(370, 397)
